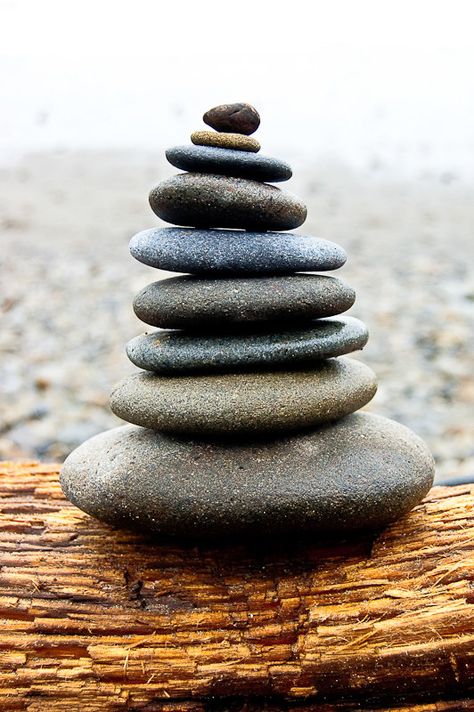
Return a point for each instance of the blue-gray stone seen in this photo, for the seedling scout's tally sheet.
(170, 352)
(228, 162)
(234, 251)
(359, 473)
(194, 302)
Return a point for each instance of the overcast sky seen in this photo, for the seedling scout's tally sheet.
(357, 80)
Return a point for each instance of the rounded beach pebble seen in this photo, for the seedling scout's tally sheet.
(245, 402)
(192, 302)
(234, 251)
(207, 200)
(239, 118)
(178, 351)
(240, 164)
(359, 473)
(234, 141)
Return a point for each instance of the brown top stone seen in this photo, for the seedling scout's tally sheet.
(239, 118)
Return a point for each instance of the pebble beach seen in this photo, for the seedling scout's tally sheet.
(69, 281)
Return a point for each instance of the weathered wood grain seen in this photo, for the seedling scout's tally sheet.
(98, 619)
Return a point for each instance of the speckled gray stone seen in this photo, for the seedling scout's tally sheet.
(224, 161)
(180, 249)
(359, 473)
(208, 200)
(192, 302)
(239, 118)
(245, 402)
(171, 352)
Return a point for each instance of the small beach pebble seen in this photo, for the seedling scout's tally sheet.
(236, 118)
(234, 141)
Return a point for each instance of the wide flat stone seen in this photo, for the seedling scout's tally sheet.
(207, 200)
(239, 118)
(256, 402)
(192, 302)
(235, 141)
(359, 473)
(171, 352)
(223, 161)
(221, 252)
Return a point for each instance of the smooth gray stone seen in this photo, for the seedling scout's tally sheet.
(221, 252)
(208, 200)
(171, 352)
(362, 472)
(192, 302)
(228, 162)
(256, 402)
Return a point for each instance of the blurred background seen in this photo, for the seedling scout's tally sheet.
(373, 105)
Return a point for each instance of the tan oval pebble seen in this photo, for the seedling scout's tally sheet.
(236, 141)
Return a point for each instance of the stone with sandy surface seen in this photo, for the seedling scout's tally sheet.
(254, 402)
(207, 200)
(196, 302)
(234, 141)
(362, 472)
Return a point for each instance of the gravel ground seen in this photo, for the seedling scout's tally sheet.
(69, 281)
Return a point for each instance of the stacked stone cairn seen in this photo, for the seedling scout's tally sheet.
(244, 415)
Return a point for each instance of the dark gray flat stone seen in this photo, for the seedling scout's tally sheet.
(192, 302)
(228, 162)
(171, 352)
(254, 402)
(208, 200)
(179, 249)
(359, 473)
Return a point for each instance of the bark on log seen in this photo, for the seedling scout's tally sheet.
(98, 619)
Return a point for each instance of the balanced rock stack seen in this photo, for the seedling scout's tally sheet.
(244, 413)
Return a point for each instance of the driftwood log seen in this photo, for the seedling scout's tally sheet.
(98, 619)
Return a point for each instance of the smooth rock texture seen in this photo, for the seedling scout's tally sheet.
(223, 161)
(362, 472)
(194, 302)
(170, 352)
(240, 118)
(234, 141)
(232, 403)
(207, 200)
(234, 252)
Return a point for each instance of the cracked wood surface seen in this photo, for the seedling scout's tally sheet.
(99, 619)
